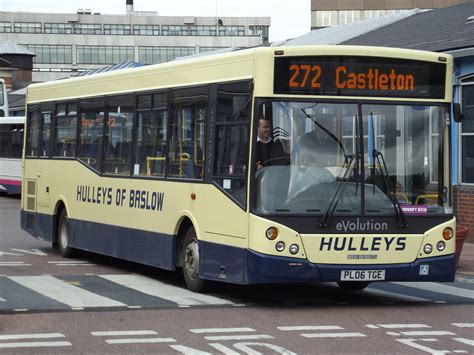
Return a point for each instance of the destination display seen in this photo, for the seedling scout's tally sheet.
(359, 76)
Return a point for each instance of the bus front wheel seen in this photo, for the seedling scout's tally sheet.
(191, 262)
(63, 236)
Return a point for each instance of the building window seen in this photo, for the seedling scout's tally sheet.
(5, 27)
(58, 28)
(27, 27)
(146, 30)
(170, 30)
(206, 30)
(154, 55)
(204, 49)
(261, 31)
(50, 54)
(87, 29)
(117, 30)
(104, 54)
(231, 30)
(467, 132)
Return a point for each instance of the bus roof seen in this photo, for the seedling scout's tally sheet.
(224, 67)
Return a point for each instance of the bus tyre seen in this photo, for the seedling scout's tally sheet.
(353, 285)
(63, 237)
(191, 262)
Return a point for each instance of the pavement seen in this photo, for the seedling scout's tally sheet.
(466, 261)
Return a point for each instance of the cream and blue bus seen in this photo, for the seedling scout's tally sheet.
(157, 165)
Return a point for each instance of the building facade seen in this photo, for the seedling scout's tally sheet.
(326, 13)
(65, 44)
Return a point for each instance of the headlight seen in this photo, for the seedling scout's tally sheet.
(448, 233)
(428, 248)
(280, 246)
(294, 249)
(440, 246)
(271, 233)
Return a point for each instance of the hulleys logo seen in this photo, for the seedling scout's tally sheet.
(362, 244)
(361, 225)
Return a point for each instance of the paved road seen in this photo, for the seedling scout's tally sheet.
(99, 304)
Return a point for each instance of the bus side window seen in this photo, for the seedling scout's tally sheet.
(32, 133)
(45, 135)
(231, 151)
(118, 134)
(188, 133)
(91, 131)
(152, 126)
(65, 130)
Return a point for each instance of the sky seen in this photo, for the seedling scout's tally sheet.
(289, 18)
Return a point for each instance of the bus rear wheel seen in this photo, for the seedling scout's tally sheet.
(191, 262)
(63, 235)
(353, 285)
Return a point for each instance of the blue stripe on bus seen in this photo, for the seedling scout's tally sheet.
(150, 248)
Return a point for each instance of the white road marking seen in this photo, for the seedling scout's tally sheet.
(223, 349)
(402, 326)
(124, 332)
(221, 330)
(2, 299)
(71, 263)
(159, 289)
(31, 251)
(13, 263)
(34, 344)
(238, 337)
(427, 332)
(396, 295)
(140, 341)
(63, 292)
(463, 325)
(31, 336)
(439, 288)
(413, 343)
(333, 335)
(311, 327)
(465, 341)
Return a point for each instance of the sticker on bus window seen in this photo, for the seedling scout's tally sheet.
(415, 209)
(226, 184)
(231, 170)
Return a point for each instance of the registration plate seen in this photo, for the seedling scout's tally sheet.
(362, 275)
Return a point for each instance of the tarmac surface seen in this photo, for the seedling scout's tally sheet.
(466, 261)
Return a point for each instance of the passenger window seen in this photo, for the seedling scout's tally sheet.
(118, 135)
(91, 132)
(65, 130)
(32, 133)
(188, 133)
(152, 125)
(45, 127)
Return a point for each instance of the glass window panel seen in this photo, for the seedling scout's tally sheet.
(118, 139)
(91, 137)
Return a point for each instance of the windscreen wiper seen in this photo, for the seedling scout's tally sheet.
(379, 158)
(352, 164)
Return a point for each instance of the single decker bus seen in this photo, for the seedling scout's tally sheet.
(158, 165)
